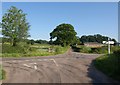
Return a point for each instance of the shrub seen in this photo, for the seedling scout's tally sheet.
(32, 49)
(99, 50)
(11, 49)
(24, 46)
(76, 49)
(85, 49)
(57, 50)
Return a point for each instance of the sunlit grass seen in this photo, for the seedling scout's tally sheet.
(2, 73)
(32, 50)
(109, 64)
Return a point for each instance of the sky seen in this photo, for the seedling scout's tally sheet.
(88, 18)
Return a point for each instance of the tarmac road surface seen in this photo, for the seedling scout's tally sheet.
(70, 67)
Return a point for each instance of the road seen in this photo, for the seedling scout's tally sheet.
(70, 67)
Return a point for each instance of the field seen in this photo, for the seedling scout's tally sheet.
(25, 50)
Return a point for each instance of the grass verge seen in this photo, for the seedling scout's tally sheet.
(109, 64)
(2, 73)
(97, 50)
(32, 50)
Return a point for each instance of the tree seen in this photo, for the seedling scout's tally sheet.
(64, 34)
(95, 38)
(15, 25)
(41, 41)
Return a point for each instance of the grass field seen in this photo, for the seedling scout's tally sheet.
(109, 64)
(32, 50)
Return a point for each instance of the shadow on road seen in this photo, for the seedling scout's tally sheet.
(99, 77)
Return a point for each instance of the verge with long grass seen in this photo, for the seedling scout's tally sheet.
(25, 50)
(2, 73)
(109, 64)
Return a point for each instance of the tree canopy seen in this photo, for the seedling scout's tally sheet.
(64, 34)
(95, 38)
(15, 25)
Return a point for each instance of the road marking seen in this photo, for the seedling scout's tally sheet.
(35, 67)
(33, 63)
(54, 62)
(27, 65)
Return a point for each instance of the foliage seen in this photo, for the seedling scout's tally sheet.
(6, 48)
(109, 64)
(64, 34)
(75, 48)
(26, 50)
(14, 25)
(59, 49)
(22, 47)
(32, 42)
(98, 50)
(84, 49)
(95, 38)
(41, 41)
(2, 73)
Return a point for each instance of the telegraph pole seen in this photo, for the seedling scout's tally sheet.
(108, 45)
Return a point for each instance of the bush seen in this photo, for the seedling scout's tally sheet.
(99, 50)
(75, 49)
(24, 46)
(57, 50)
(32, 49)
(6, 48)
(115, 48)
(85, 49)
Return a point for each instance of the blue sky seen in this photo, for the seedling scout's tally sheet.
(87, 18)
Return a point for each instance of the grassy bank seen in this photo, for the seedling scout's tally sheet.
(2, 73)
(109, 64)
(25, 50)
(98, 50)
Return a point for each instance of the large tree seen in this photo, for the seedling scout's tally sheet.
(15, 25)
(64, 34)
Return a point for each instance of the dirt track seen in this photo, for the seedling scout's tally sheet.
(65, 68)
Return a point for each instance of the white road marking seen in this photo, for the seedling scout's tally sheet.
(27, 65)
(35, 67)
(54, 62)
(33, 63)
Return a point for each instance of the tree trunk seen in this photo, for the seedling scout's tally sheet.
(14, 42)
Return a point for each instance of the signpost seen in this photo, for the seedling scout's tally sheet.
(108, 43)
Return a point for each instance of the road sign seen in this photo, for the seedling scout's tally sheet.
(108, 42)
